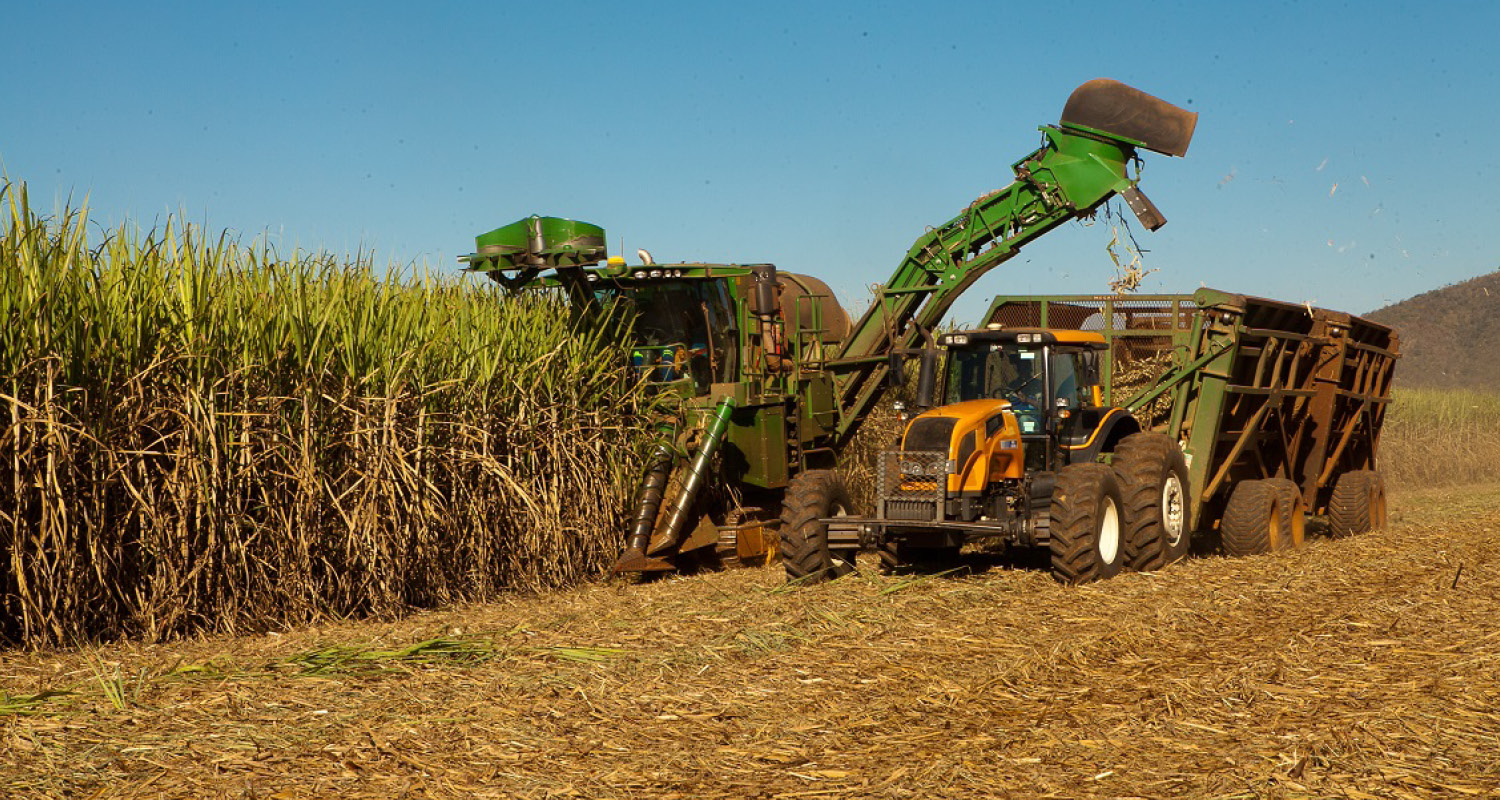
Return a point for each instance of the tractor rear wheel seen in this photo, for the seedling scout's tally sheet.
(1252, 520)
(1153, 481)
(813, 495)
(1293, 513)
(1087, 524)
(1357, 504)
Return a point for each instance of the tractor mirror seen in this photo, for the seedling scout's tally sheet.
(897, 371)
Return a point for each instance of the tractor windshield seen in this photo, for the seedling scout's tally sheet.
(1001, 372)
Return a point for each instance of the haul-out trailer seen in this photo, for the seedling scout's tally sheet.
(768, 377)
(1110, 430)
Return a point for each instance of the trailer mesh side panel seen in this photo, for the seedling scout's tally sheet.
(1146, 335)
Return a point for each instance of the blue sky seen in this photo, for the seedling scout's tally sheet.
(1345, 153)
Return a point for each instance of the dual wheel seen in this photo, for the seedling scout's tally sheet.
(1266, 516)
(1263, 516)
(1131, 514)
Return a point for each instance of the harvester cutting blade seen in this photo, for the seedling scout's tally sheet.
(633, 560)
(1111, 107)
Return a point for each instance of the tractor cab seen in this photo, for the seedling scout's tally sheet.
(1048, 380)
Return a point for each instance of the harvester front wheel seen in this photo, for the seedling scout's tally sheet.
(811, 496)
(1153, 481)
(1293, 513)
(1252, 521)
(1087, 524)
(1357, 504)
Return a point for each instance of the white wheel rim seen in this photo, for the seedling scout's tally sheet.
(1172, 510)
(1109, 532)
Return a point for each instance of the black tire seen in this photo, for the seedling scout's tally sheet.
(813, 495)
(1252, 519)
(1357, 504)
(1293, 513)
(1087, 527)
(1154, 482)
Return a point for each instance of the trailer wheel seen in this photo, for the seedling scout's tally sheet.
(1087, 524)
(813, 495)
(1252, 519)
(1357, 504)
(1293, 513)
(1153, 481)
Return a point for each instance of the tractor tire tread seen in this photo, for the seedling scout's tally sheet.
(1075, 501)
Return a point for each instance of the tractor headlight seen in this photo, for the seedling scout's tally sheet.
(956, 339)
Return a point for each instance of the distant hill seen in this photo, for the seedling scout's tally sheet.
(1450, 337)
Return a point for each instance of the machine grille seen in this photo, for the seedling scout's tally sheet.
(912, 484)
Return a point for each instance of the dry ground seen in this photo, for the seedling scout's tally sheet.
(1359, 668)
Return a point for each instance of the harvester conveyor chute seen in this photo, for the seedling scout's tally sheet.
(1082, 163)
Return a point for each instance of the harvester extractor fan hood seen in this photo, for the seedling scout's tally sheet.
(1113, 108)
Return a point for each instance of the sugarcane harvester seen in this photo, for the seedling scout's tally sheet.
(770, 378)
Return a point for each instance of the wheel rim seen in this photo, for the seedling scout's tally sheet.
(1109, 532)
(1273, 528)
(1299, 524)
(1173, 510)
(1377, 508)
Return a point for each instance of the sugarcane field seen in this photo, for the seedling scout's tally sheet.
(887, 471)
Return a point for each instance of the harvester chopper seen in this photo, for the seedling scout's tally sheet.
(770, 377)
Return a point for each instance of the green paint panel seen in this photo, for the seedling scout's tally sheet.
(756, 447)
(539, 242)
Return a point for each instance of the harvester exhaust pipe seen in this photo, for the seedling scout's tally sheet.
(1124, 112)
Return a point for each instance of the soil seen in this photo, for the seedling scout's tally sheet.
(1364, 667)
